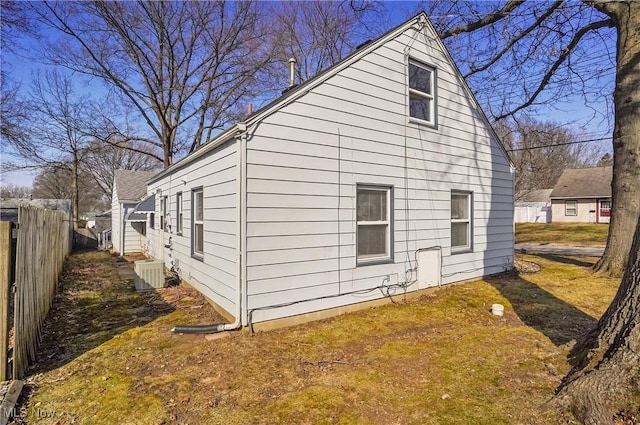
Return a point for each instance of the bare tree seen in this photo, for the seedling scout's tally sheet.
(541, 151)
(55, 182)
(57, 129)
(103, 159)
(319, 34)
(14, 191)
(185, 67)
(541, 53)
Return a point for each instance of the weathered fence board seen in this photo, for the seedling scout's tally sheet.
(5, 288)
(43, 244)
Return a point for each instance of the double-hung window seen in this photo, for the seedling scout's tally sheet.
(197, 230)
(374, 223)
(164, 222)
(461, 221)
(179, 213)
(422, 100)
(570, 207)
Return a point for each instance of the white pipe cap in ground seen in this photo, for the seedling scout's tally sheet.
(497, 309)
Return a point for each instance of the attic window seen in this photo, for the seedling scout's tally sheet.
(422, 105)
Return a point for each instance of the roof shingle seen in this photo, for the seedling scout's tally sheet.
(594, 182)
(132, 185)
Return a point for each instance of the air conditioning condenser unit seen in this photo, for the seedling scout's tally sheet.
(149, 274)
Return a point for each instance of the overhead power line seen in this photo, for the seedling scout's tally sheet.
(559, 144)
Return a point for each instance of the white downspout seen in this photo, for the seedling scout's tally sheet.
(241, 190)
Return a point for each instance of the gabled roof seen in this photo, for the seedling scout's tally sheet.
(535, 195)
(594, 182)
(131, 185)
(293, 93)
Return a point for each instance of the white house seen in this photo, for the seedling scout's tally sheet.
(378, 177)
(128, 232)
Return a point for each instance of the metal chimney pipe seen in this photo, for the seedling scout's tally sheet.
(292, 72)
(249, 109)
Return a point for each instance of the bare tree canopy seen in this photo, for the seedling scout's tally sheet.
(542, 150)
(185, 67)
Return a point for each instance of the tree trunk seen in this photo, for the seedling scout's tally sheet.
(625, 187)
(604, 384)
(75, 202)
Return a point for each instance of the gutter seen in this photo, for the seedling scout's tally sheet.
(241, 190)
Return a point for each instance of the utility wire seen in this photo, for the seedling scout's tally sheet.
(559, 144)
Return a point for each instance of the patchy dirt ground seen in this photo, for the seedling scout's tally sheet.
(109, 356)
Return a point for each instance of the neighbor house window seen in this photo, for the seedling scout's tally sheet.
(152, 219)
(570, 207)
(179, 213)
(460, 221)
(197, 237)
(165, 213)
(422, 105)
(373, 223)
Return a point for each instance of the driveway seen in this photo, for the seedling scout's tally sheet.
(588, 251)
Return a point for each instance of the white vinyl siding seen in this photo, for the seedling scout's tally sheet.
(214, 275)
(305, 162)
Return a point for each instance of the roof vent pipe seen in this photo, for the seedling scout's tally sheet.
(292, 72)
(249, 109)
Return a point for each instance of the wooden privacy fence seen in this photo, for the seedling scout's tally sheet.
(43, 244)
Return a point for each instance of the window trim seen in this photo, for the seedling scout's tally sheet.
(462, 248)
(433, 122)
(575, 208)
(196, 254)
(179, 212)
(388, 257)
(165, 214)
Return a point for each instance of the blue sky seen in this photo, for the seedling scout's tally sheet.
(570, 111)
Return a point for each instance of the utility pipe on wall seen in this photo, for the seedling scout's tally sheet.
(241, 146)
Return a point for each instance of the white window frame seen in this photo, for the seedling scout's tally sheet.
(179, 213)
(388, 222)
(419, 93)
(469, 220)
(574, 209)
(195, 223)
(165, 214)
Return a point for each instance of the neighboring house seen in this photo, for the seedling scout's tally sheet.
(533, 206)
(583, 195)
(378, 177)
(128, 232)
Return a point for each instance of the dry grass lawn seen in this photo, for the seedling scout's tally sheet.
(571, 234)
(110, 357)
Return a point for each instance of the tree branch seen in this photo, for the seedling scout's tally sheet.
(489, 19)
(564, 55)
